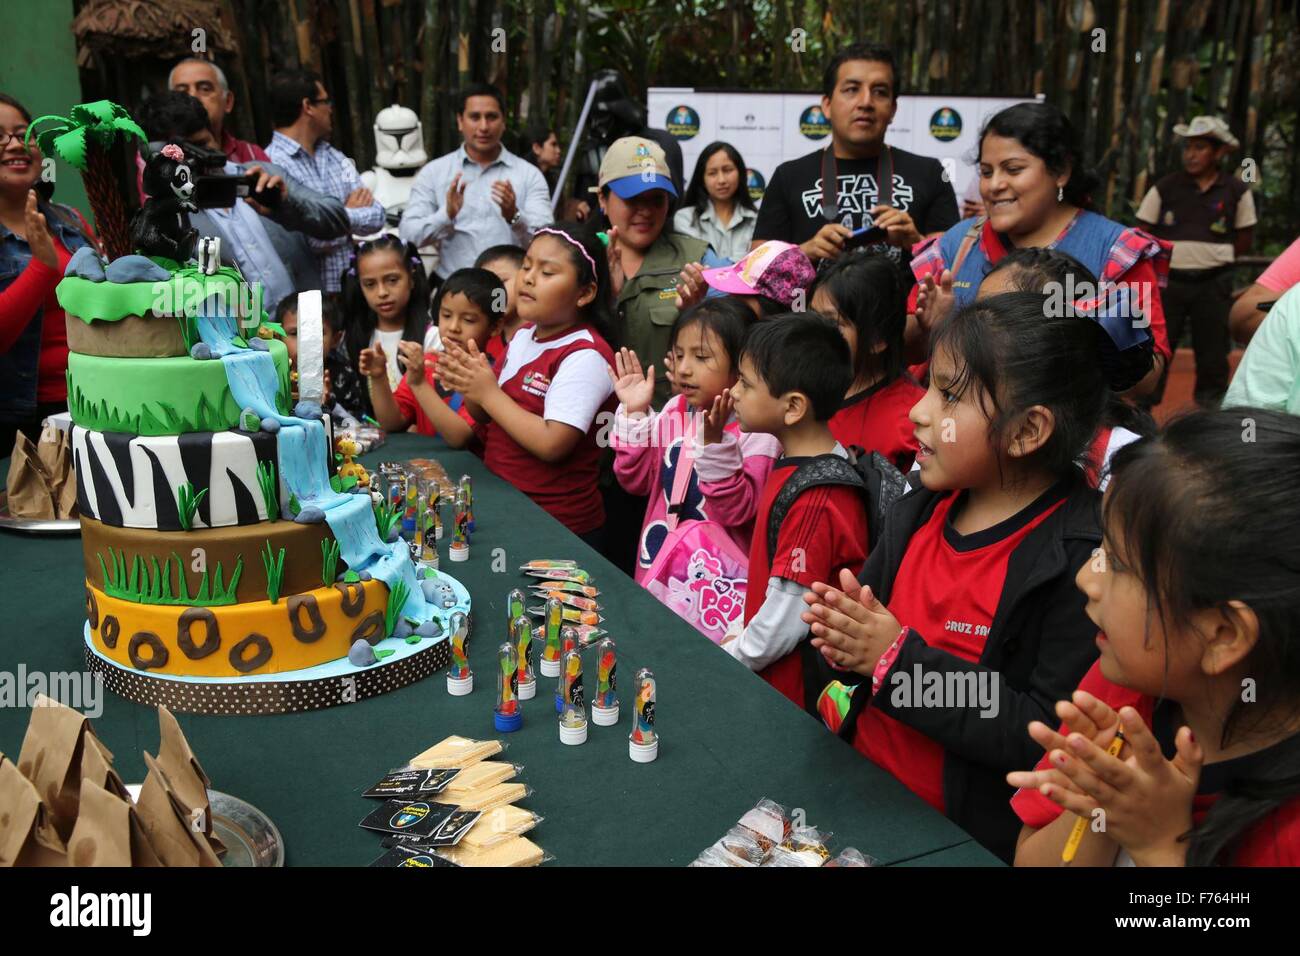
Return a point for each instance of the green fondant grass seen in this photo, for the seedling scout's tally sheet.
(397, 596)
(151, 582)
(100, 416)
(274, 565)
(329, 552)
(187, 503)
(270, 486)
(385, 517)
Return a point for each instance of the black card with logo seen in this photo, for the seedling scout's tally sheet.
(403, 855)
(447, 834)
(411, 783)
(416, 818)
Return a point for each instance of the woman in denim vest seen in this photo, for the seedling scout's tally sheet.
(37, 238)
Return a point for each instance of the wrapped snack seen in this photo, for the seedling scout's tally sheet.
(544, 589)
(488, 773)
(543, 564)
(740, 843)
(851, 857)
(713, 857)
(572, 601)
(519, 851)
(499, 825)
(576, 575)
(486, 799)
(456, 752)
(572, 615)
(767, 822)
(27, 833)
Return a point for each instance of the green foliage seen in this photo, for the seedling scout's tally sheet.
(397, 596)
(343, 485)
(385, 518)
(270, 485)
(329, 552)
(151, 583)
(295, 506)
(351, 577)
(283, 391)
(274, 565)
(380, 654)
(187, 503)
(70, 137)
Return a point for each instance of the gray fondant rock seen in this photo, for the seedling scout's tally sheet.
(364, 575)
(135, 269)
(260, 345)
(307, 410)
(310, 515)
(361, 653)
(271, 425)
(201, 351)
(86, 264)
(402, 629)
(430, 628)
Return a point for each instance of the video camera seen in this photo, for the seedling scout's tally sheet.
(216, 190)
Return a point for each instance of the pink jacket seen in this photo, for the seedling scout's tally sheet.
(725, 488)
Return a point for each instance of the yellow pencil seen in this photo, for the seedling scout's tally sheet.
(1081, 824)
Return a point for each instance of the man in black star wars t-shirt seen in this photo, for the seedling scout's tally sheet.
(859, 96)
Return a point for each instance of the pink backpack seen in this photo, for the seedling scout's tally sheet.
(699, 573)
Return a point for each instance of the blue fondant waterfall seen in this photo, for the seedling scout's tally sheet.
(304, 463)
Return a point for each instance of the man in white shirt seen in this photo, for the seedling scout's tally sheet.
(479, 196)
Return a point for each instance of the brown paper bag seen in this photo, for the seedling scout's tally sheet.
(108, 832)
(189, 784)
(29, 484)
(27, 835)
(51, 758)
(176, 840)
(55, 452)
(97, 768)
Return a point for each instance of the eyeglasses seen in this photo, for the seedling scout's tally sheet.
(18, 134)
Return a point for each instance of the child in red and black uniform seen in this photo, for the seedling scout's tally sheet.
(863, 294)
(540, 408)
(965, 622)
(468, 308)
(504, 262)
(1197, 596)
(794, 371)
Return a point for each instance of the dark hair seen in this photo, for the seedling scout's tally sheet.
(505, 251)
(360, 322)
(535, 135)
(8, 100)
(331, 310)
(480, 286)
(286, 305)
(1037, 266)
(1017, 353)
(802, 352)
(867, 289)
(288, 90)
(597, 313)
(1204, 513)
(726, 317)
(1047, 133)
(479, 89)
(872, 53)
(171, 115)
(697, 195)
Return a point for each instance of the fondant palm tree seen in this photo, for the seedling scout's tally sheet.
(83, 138)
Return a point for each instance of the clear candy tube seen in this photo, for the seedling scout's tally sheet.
(507, 715)
(573, 718)
(553, 622)
(604, 705)
(643, 742)
(522, 637)
(460, 680)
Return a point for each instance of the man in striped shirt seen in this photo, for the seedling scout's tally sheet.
(304, 117)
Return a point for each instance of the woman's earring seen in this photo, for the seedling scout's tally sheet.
(1060, 193)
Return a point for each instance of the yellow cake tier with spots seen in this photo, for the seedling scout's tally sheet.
(237, 640)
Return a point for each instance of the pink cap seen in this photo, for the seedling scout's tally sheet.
(775, 270)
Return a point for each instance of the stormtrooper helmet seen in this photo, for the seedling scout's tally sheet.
(399, 139)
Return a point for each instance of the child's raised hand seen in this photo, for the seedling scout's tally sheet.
(716, 418)
(1146, 800)
(412, 354)
(1084, 714)
(669, 371)
(469, 373)
(374, 362)
(934, 301)
(634, 389)
(691, 287)
(850, 626)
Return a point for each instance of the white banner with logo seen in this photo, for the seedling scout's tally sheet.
(769, 128)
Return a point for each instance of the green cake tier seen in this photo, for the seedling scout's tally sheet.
(159, 396)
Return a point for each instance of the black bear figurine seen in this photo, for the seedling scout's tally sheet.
(161, 227)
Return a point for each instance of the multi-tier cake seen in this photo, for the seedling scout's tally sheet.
(228, 569)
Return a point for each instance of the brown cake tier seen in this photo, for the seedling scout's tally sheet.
(167, 554)
(135, 336)
(238, 640)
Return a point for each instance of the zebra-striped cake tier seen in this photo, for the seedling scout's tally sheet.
(131, 481)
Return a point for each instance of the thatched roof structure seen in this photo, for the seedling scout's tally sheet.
(162, 29)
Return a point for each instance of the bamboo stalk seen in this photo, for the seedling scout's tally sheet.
(1146, 105)
(352, 75)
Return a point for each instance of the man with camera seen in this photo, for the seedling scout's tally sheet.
(263, 217)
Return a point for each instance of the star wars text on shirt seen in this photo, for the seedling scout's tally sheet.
(855, 195)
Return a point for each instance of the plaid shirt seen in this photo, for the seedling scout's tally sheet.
(331, 173)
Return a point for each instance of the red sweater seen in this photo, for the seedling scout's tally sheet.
(33, 290)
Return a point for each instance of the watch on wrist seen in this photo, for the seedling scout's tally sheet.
(518, 216)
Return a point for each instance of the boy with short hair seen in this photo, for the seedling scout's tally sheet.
(812, 518)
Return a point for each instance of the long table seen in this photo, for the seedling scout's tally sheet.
(727, 738)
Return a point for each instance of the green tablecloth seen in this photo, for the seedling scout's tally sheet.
(727, 738)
